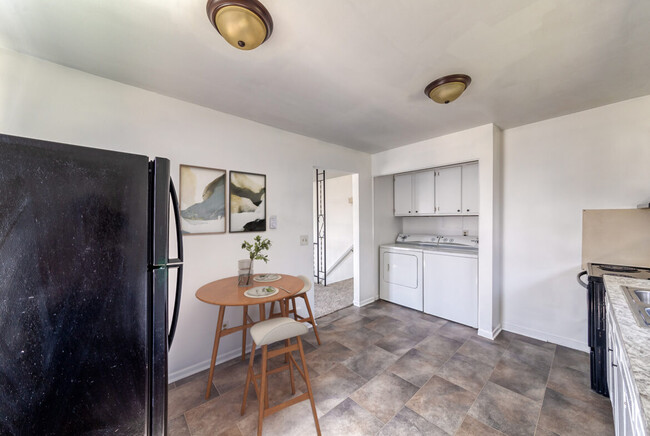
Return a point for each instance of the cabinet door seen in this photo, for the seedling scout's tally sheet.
(403, 194)
(612, 379)
(470, 189)
(448, 191)
(424, 193)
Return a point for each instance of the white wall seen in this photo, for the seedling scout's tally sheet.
(469, 145)
(338, 192)
(596, 159)
(440, 225)
(385, 225)
(42, 100)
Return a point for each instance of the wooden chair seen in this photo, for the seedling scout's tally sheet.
(292, 310)
(265, 333)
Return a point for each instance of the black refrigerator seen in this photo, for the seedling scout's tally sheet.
(84, 269)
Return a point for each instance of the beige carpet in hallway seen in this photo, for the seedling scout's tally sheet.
(333, 297)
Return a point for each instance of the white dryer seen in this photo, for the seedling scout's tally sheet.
(401, 275)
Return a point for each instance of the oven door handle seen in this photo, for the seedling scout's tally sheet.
(583, 284)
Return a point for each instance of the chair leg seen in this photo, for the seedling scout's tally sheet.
(263, 391)
(308, 383)
(312, 321)
(243, 334)
(286, 359)
(249, 376)
(294, 309)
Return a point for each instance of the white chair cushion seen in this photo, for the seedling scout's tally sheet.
(277, 329)
(306, 285)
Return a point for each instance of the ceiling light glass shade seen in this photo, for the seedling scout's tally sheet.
(447, 89)
(244, 24)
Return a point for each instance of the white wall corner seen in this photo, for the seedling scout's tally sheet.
(497, 227)
(366, 301)
(492, 335)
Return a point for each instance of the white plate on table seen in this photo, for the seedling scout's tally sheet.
(261, 292)
(266, 278)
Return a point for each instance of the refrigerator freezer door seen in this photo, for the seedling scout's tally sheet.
(73, 290)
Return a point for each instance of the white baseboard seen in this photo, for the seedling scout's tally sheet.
(544, 336)
(490, 334)
(366, 301)
(198, 367)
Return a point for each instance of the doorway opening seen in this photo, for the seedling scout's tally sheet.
(333, 227)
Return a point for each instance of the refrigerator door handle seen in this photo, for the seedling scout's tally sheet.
(176, 263)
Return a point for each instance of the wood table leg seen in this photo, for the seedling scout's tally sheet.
(243, 334)
(262, 312)
(215, 348)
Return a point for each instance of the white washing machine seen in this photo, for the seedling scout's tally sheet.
(451, 285)
(401, 275)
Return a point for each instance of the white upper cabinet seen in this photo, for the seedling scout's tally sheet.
(403, 194)
(470, 189)
(448, 191)
(424, 192)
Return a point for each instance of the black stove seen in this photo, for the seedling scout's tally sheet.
(597, 317)
(598, 270)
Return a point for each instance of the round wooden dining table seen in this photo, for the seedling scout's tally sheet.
(227, 292)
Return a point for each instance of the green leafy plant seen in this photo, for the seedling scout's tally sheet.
(255, 249)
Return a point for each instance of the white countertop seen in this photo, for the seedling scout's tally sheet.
(636, 340)
(433, 248)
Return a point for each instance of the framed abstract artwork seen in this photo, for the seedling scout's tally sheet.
(202, 200)
(247, 202)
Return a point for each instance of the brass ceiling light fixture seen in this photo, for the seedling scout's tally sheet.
(447, 89)
(245, 24)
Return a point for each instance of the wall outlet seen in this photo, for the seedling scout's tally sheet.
(304, 239)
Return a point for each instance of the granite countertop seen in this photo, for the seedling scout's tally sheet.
(636, 340)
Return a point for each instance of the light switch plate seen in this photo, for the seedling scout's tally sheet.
(273, 222)
(304, 239)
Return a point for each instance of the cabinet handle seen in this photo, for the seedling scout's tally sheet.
(416, 211)
(458, 210)
(467, 210)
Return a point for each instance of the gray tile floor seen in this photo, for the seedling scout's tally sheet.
(387, 370)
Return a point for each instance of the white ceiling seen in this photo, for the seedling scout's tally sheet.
(352, 72)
